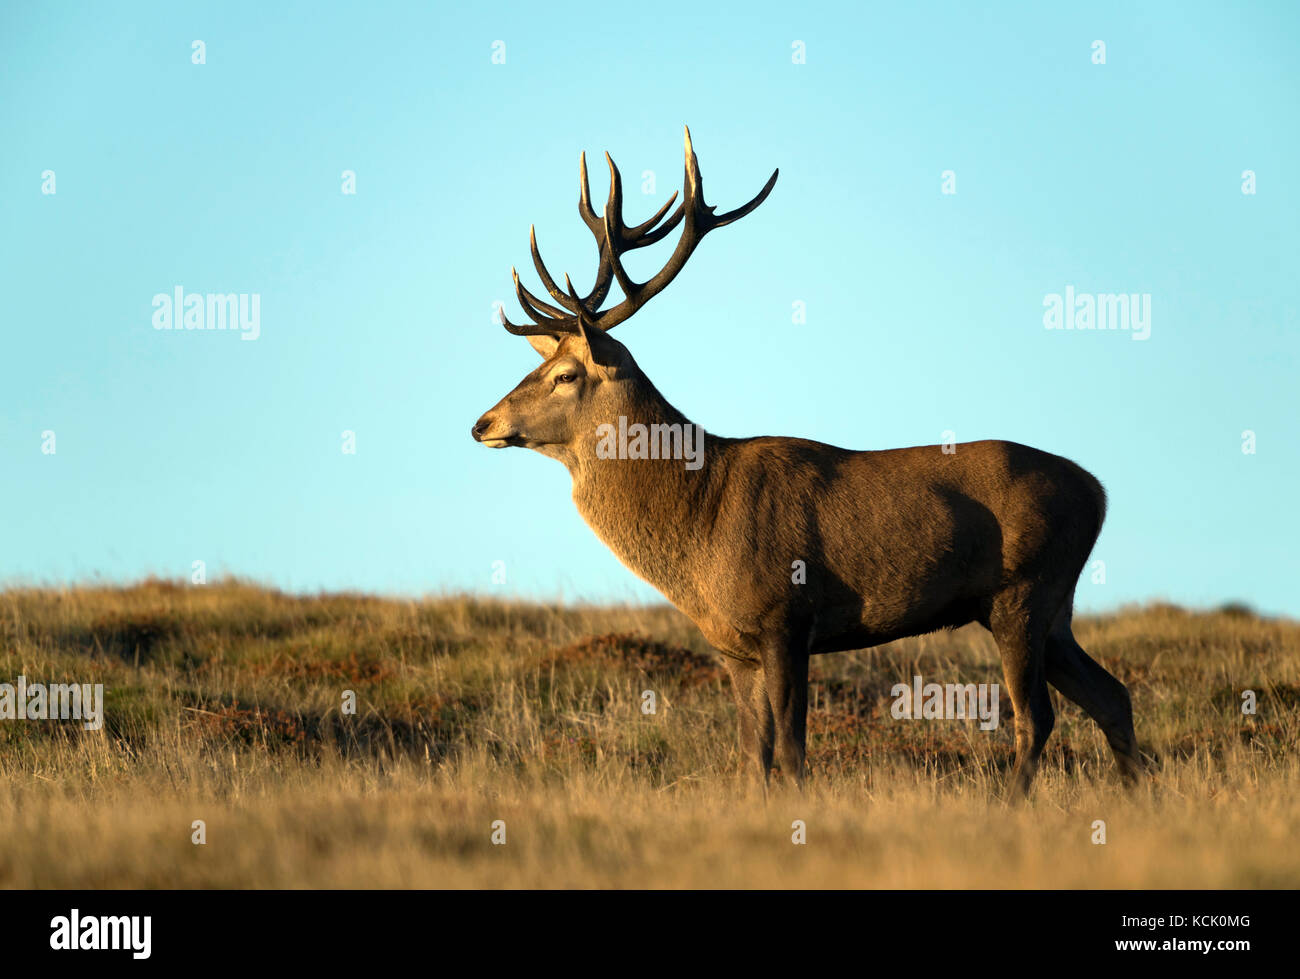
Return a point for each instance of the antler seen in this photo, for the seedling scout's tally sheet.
(614, 239)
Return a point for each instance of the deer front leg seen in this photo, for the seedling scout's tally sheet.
(755, 712)
(785, 671)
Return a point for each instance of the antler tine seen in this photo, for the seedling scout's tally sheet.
(543, 314)
(614, 206)
(583, 314)
(545, 276)
(722, 220)
(528, 330)
(584, 197)
(612, 220)
(642, 233)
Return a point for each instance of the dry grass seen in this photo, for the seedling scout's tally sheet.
(224, 705)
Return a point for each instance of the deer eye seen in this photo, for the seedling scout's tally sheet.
(565, 378)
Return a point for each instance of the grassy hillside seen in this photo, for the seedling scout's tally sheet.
(224, 705)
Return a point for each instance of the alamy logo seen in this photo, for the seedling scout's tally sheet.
(55, 702)
(181, 310)
(949, 701)
(657, 441)
(99, 932)
(1099, 311)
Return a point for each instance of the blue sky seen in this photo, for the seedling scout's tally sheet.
(924, 309)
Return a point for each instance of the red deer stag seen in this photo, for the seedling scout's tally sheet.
(893, 543)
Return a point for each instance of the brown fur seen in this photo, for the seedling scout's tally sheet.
(895, 543)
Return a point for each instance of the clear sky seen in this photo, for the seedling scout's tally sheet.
(924, 309)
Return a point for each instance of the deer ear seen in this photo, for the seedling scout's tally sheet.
(544, 345)
(605, 352)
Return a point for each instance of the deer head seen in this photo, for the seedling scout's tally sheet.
(587, 377)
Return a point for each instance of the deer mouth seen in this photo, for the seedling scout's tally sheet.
(504, 441)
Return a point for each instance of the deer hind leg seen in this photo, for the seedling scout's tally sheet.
(1020, 630)
(755, 712)
(1086, 682)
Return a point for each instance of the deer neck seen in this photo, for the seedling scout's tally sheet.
(641, 481)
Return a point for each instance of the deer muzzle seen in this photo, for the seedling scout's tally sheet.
(483, 431)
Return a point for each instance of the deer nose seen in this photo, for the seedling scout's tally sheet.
(480, 427)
